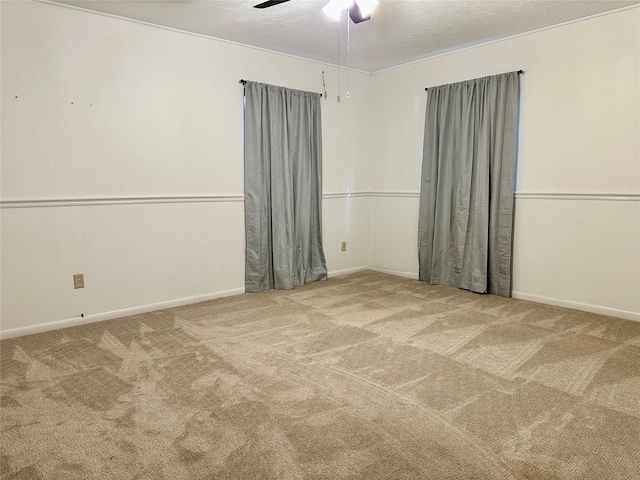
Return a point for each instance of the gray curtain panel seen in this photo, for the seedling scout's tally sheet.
(282, 188)
(467, 186)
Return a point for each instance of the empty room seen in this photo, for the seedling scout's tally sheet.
(320, 239)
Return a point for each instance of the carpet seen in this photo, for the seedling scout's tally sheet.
(365, 376)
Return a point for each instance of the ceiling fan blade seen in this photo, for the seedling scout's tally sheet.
(356, 14)
(269, 3)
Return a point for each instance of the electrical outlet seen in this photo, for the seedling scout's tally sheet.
(78, 280)
(344, 246)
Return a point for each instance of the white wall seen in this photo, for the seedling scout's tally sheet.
(122, 159)
(577, 229)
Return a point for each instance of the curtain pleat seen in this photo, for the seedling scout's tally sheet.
(467, 184)
(283, 188)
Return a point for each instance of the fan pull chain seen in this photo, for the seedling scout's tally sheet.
(324, 86)
(348, 93)
(339, 87)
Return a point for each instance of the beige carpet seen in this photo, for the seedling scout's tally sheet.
(366, 376)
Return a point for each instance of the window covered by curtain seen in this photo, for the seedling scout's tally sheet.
(282, 188)
(467, 187)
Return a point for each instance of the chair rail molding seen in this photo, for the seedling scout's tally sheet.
(624, 197)
(233, 198)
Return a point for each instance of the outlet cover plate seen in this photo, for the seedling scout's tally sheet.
(78, 280)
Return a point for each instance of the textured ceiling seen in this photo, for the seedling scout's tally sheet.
(400, 31)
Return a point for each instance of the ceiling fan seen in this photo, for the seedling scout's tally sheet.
(359, 10)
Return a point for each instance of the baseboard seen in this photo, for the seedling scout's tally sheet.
(100, 317)
(612, 312)
(557, 302)
(347, 271)
(397, 273)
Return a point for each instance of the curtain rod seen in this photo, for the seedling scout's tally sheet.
(519, 72)
(244, 82)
